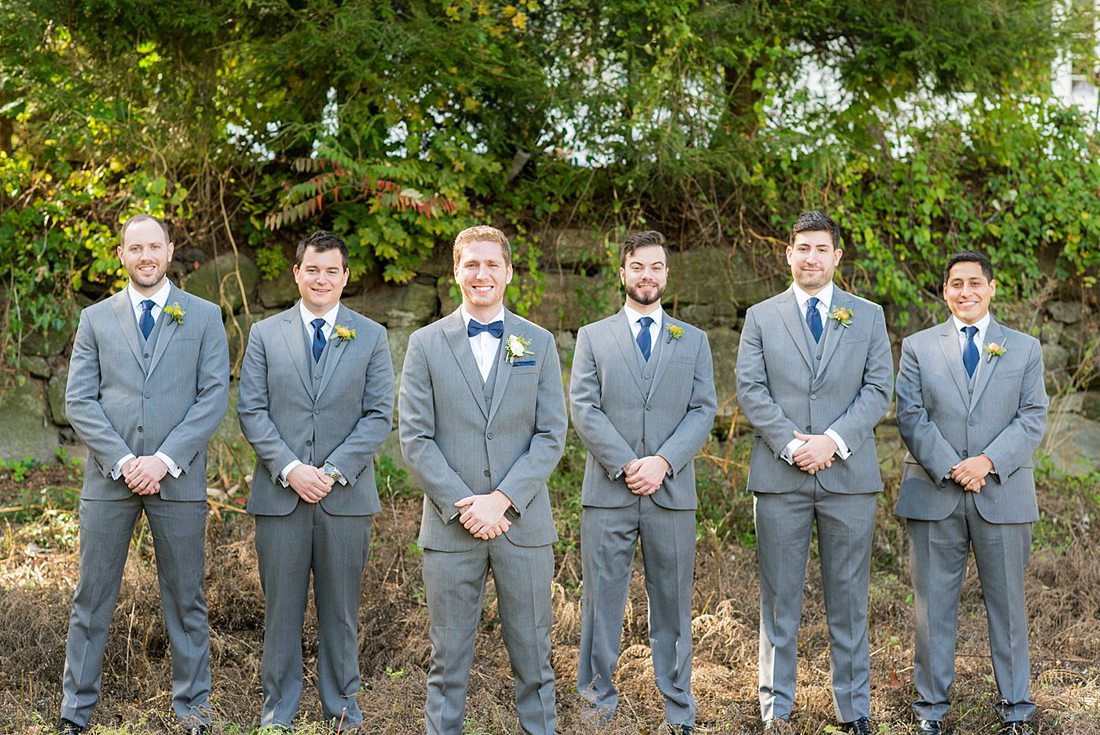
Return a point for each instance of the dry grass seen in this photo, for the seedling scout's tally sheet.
(37, 577)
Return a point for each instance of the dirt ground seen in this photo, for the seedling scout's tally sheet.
(38, 572)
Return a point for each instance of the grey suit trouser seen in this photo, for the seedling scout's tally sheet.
(784, 525)
(608, 539)
(454, 585)
(335, 549)
(178, 529)
(938, 551)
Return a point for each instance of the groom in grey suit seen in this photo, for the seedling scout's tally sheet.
(642, 400)
(148, 384)
(813, 378)
(316, 402)
(972, 411)
(482, 425)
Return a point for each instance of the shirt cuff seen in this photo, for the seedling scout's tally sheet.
(116, 472)
(173, 468)
(842, 449)
(787, 455)
(286, 471)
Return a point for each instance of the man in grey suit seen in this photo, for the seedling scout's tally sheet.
(972, 411)
(482, 425)
(316, 402)
(148, 384)
(642, 398)
(813, 378)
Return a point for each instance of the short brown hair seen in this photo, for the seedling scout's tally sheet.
(645, 239)
(481, 233)
(142, 218)
(320, 241)
(816, 221)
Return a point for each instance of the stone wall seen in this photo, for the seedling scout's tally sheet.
(708, 287)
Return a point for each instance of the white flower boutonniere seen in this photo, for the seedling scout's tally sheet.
(517, 347)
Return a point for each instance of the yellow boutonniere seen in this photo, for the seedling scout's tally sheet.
(992, 349)
(345, 334)
(675, 332)
(842, 316)
(175, 313)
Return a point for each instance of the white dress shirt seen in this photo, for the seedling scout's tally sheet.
(824, 300)
(160, 300)
(326, 329)
(483, 345)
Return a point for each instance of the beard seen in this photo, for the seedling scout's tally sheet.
(642, 298)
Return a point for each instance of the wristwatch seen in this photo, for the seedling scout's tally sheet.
(335, 474)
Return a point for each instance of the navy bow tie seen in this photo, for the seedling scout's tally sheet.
(474, 328)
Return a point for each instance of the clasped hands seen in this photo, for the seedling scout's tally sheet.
(143, 474)
(970, 473)
(483, 515)
(311, 483)
(645, 475)
(815, 454)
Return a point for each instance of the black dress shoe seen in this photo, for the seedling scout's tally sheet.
(673, 728)
(1016, 727)
(929, 727)
(862, 726)
(65, 727)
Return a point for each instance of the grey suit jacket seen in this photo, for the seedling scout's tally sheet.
(942, 423)
(456, 446)
(343, 423)
(118, 409)
(618, 421)
(780, 393)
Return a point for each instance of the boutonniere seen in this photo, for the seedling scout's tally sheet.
(993, 349)
(175, 313)
(674, 332)
(344, 334)
(516, 347)
(841, 316)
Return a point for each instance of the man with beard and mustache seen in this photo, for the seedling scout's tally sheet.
(814, 377)
(148, 384)
(643, 402)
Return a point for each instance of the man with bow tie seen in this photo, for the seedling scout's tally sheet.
(813, 378)
(972, 410)
(148, 385)
(482, 425)
(316, 402)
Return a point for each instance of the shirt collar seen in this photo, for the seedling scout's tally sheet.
(160, 298)
(308, 316)
(466, 316)
(632, 315)
(982, 325)
(825, 296)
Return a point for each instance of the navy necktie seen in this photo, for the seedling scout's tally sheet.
(645, 340)
(318, 338)
(146, 319)
(970, 351)
(813, 318)
(474, 328)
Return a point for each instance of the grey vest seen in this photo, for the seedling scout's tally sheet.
(817, 349)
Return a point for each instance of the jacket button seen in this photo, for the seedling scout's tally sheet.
(648, 407)
(309, 442)
(148, 395)
(146, 355)
(813, 397)
(316, 412)
(964, 453)
(489, 435)
(486, 473)
(141, 428)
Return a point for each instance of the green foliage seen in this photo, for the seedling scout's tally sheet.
(272, 262)
(17, 469)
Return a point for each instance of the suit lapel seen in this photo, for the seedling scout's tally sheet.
(290, 323)
(995, 333)
(124, 311)
(624, 337)
(336, 347)
(844, 300)
(952, 355)
(454, 329)
(665, 353)
(787, 306)
(168, 326)
(504, 368)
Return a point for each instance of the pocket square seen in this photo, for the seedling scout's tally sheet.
(524, 363)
